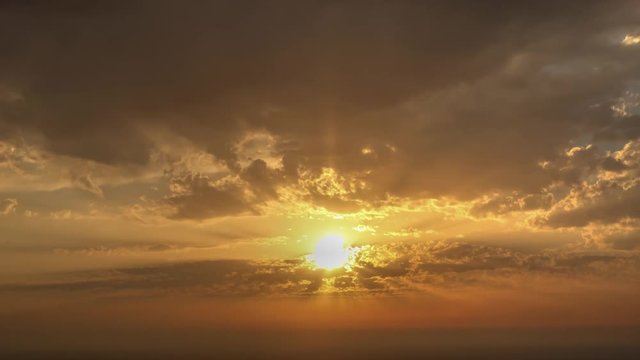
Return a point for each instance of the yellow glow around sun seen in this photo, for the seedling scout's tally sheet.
(330, 253)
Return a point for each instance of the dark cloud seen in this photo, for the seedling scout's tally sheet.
(580, 163)
(603, 188)
(624, 128)
(215, 278)
(624, 241)
(452, 98)
(196, 196)
(262, 179)
(610, 203)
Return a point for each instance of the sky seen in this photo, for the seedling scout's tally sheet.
(302, 178)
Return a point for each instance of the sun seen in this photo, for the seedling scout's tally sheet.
(330, 253)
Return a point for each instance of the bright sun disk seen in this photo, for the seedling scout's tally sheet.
(330, 253)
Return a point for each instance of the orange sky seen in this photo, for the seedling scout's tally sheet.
(318, 166)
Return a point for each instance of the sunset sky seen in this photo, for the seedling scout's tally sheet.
(374, 178)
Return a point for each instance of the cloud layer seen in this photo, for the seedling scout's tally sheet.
(466, 109)
(397, 120)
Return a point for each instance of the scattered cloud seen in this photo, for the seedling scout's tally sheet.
(631, 40)
(8, 206)
(84, 182)
(389, 268)
(603, 188)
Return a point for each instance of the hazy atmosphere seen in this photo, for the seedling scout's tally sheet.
(320, 179)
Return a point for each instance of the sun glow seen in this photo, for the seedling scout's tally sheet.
(330, 253)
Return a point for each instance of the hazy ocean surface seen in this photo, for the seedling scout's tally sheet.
(341, 344)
